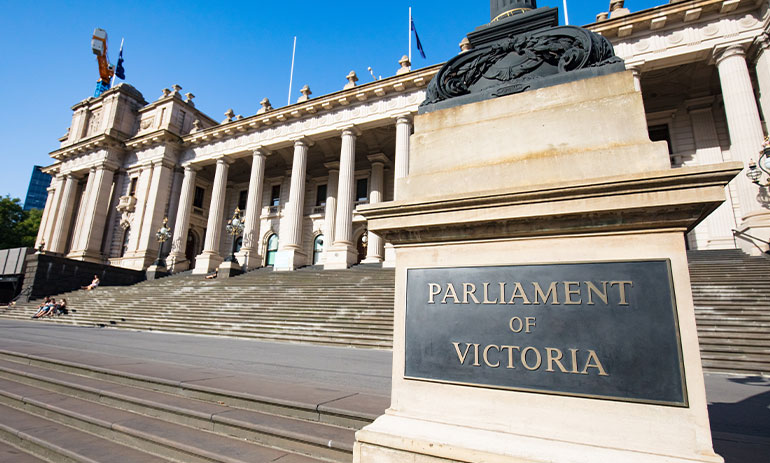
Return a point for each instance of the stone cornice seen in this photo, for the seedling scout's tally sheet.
(685, 196)
(101, 141)
(316, 106)
(665, 16)
(161, 136)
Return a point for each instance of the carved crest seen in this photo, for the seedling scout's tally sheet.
(514, 64)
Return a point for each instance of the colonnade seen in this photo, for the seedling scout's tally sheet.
(340, 248)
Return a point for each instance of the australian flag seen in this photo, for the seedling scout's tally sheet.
(417, 39)
(119, 70)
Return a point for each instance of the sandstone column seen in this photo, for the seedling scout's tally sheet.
(330, 211)
(82, 211)
(154, 212)
(746, 139)
(177, 260)
(763, 74)
(54, 216)
(249, 256)
(46, 219)
(209, 259)
(403, 131)
(343, 252)
(64, 217)
(97, 200)
(707, 151)
(374, 248)
(290, 254)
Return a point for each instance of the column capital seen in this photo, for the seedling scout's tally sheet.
(403, 118)
(190, 167)
(261, 151)
(332, 165)
(224, 160)
(763, 41)
(348, 130)
(722, 52)
(378, 158)
(302, 141)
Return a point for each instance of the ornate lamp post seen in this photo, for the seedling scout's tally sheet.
(234, 228)
(163, 234)
(763, 163)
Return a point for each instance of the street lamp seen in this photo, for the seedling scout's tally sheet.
(234, 228)
(163, 234)
(753, 173)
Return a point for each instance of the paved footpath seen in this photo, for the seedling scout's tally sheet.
(739, 406)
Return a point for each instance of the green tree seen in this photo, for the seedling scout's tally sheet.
(18, 228)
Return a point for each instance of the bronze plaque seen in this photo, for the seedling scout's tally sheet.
(597, 329)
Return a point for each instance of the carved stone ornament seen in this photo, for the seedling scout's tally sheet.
(521, 62)
(126, 206)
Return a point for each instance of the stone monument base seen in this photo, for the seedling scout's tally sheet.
(156, 271)
(555, 178)
(229, 269)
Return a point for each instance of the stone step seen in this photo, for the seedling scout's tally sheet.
(55, 442)
(290, 434)
(9, 453)
(248, 393)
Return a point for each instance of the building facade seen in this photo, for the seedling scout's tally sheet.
(298, 172)
(37, 191)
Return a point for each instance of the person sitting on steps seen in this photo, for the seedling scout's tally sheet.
(60, 308)
(94, 283)
(47, 306)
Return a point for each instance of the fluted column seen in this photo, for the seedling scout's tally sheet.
(374, 247)
(55, 213)
(637, 73)
(742, 118)
(64, 217)
(97, 200)
(82, 211)
(249, 256)
(718, 224)
(290, 254)
(177, 259)
(330, 211)
(763, 74)
(343, 252)
(209, 259)
(401, 168)
(45, 220)
(156, 205)
(746, 137)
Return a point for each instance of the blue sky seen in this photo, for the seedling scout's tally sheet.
(229, 54)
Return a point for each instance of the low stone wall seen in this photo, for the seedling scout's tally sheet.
(48, 275)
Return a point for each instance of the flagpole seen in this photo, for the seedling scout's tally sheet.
(410, 34)
(291, 77)
(112, 84)
(566, 15)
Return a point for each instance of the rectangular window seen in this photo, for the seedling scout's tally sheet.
(198, 197)
(275, 195)
(242, 199)
(362, 189)
(320, 196)
(180, 116)
(132, 188)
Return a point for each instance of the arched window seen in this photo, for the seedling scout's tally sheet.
(318, 247)
(272, 249)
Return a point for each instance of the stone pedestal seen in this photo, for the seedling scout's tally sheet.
(552, 179)
(229, 269)
(154, 272)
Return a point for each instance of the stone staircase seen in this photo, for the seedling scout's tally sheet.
(355, 307)
(344, 307)
(63, 411)
(732, 310)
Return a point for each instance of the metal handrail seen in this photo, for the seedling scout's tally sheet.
(738, 232)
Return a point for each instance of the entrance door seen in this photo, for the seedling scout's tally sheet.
(190, 248)
(318, 247)
(361, 248)
(272, 248)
